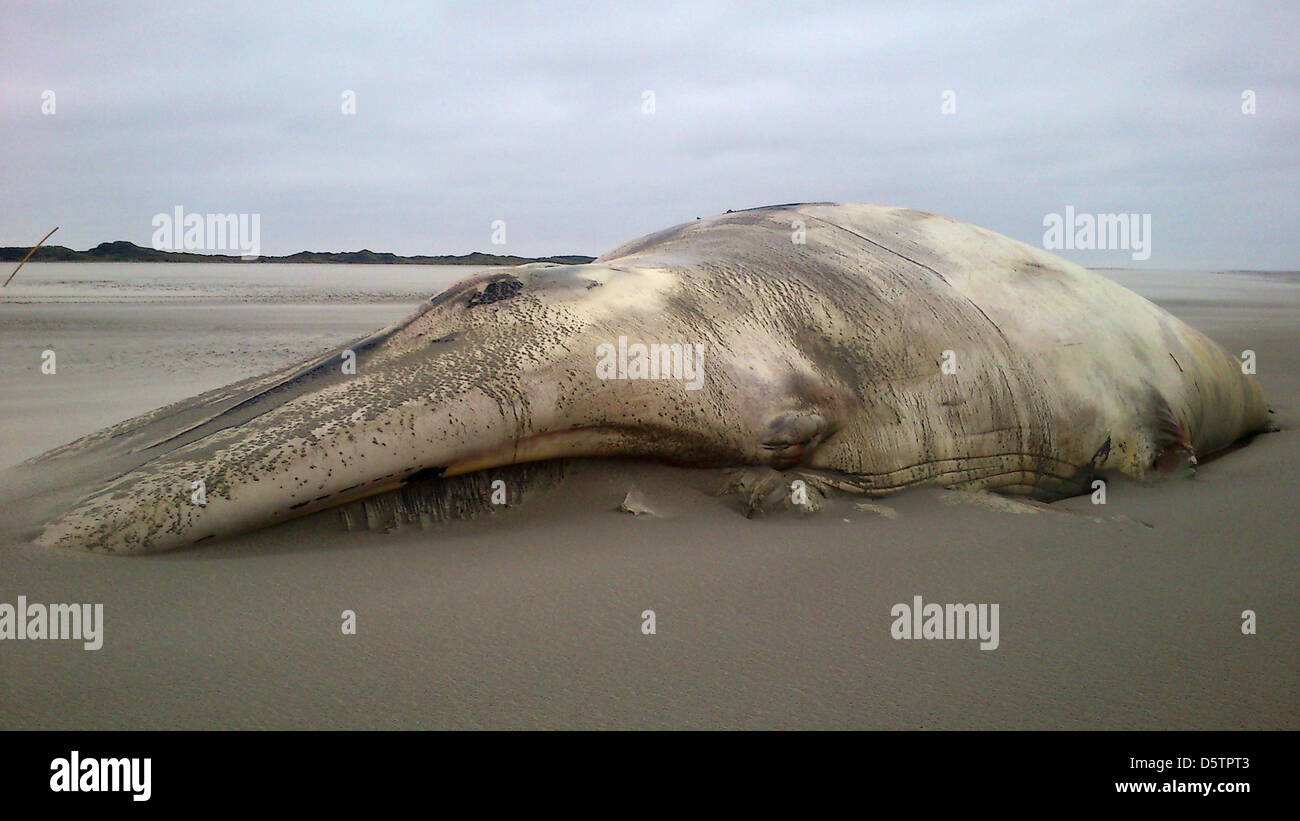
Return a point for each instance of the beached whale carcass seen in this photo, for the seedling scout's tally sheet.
(884, 346)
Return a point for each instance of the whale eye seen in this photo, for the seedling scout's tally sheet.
(496, 291)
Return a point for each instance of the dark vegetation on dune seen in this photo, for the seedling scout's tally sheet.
(123, 251)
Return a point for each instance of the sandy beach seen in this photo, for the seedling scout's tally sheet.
(1118, 616)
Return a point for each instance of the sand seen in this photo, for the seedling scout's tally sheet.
(1122, 616)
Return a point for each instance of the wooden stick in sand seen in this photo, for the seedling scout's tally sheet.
(29, 255)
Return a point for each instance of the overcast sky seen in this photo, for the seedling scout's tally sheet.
(481, 111)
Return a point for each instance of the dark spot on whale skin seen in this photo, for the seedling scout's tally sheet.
(1101, 454)
(427, 473)
(496, 291)
(300, 504)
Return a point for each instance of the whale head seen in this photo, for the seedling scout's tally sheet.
(507, 366)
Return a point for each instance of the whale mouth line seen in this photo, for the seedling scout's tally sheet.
(584, 440)
(541, 447)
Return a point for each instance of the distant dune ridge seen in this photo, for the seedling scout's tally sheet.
(123, 251)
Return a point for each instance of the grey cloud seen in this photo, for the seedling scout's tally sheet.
(532, 113)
